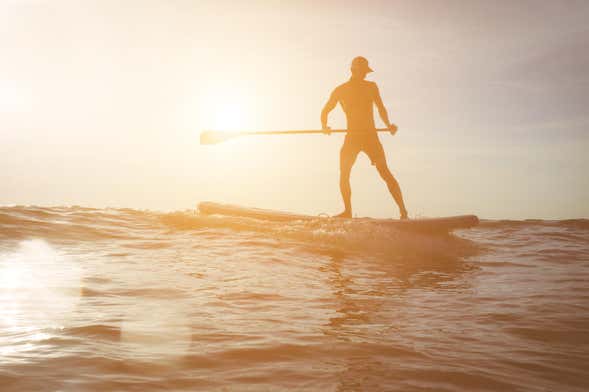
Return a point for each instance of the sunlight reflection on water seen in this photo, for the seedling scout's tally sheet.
(39, 287)
(39, 291)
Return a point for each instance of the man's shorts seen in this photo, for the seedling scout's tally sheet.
(369, 143)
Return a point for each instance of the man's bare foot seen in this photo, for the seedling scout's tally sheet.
(345, 214)
(404, 215)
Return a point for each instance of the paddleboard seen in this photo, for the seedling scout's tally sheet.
(442, 224)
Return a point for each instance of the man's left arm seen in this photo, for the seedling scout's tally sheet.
(329, 106)
(382, 111)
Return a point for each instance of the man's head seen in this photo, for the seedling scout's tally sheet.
(360, 67)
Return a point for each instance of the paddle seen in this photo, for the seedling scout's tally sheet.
(214, 137)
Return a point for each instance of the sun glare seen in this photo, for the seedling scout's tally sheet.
(219, 106)
(13, 98)
(228, 117)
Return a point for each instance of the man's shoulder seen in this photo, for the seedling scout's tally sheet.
(342, 86)
(373, 88)
(371, 84)
(339, 90)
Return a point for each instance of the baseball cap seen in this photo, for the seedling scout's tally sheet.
(361, 63)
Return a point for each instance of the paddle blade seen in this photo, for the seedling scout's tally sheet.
(214, 137)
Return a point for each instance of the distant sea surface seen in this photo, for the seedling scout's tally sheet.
(128, 300)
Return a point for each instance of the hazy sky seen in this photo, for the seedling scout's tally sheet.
(102, 102)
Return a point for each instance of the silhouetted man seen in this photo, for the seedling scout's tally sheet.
(357, 97)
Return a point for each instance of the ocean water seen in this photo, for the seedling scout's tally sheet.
(127, 300)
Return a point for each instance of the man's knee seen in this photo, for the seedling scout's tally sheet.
(385, 173)
(345, 169)
(344, 176)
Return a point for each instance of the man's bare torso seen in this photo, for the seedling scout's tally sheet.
(357, 100)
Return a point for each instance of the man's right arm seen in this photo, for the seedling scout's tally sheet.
(333, 99)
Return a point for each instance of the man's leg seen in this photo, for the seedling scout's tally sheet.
(346, 161)
(378, 158)
(393, 186)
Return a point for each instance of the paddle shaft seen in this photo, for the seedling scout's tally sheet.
(303, 132)
(214, 137)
